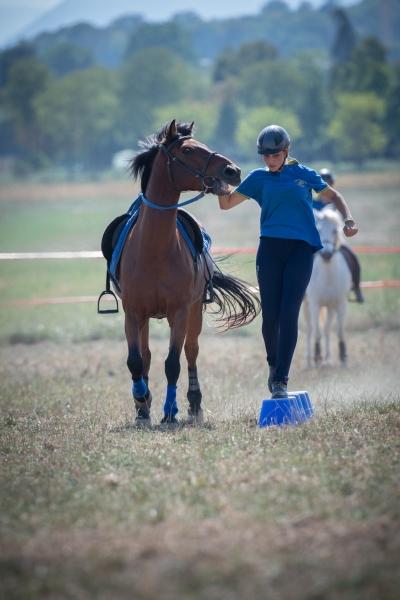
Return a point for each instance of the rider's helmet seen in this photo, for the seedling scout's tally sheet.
(327, 176)
(272, 139)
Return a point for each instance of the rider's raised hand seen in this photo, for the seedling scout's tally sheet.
(350, 228)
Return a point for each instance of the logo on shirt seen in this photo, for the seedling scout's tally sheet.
(300, 182)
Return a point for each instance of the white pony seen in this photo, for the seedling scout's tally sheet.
(329, 287)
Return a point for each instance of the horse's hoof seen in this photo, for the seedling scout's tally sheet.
(169, 421)
(196, 419)
(143, 423)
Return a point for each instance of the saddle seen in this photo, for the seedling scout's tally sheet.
(114, 237)
(189, 223)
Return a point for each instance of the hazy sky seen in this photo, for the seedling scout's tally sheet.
(31, 3)
(45, 4)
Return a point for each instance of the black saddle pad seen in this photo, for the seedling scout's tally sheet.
(111, 234)
(193, 228)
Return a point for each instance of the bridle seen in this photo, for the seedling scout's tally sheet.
(174, 159)
(202, 175)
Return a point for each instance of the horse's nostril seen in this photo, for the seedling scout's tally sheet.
(231, 172)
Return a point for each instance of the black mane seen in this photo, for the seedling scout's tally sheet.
(141, 164)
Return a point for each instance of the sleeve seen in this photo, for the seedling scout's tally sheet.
(314, 180)
(251, 186)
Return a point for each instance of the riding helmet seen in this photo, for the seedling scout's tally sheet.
(327, 176)
(272, 139)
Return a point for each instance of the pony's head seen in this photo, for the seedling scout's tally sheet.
(330, 225)
(191, 165)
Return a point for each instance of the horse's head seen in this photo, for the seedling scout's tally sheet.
(190, 164)
(193, 166)
(329, 224)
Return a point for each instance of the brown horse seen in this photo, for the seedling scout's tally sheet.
(158, 275)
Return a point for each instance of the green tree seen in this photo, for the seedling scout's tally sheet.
(366, 70)
(357, 128)
(227, 123)
(64, 57)
(204, 115)
(345, 37)
(76, 117)
(12, 55)
(275, 83)
(392, 113)
(232, 62)
(168, 35)
(255, 119)
(312, 107)
(26, 79)
(150, 79)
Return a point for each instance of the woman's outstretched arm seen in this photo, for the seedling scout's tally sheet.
(231, 199)
(331, 195)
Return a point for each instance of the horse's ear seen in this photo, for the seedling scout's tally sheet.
(172, 131)
(191, 127)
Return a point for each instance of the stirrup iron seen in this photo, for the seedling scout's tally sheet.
(107, 292)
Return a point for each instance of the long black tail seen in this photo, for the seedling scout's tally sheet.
(237, 302)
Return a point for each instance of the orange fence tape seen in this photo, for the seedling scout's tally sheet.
(383, 283)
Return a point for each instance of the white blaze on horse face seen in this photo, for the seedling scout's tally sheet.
(328, 225)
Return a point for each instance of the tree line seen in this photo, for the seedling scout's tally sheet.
(65, 110)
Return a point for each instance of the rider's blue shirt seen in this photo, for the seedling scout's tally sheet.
(285, 198)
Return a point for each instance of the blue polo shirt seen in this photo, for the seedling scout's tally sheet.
(285, 198)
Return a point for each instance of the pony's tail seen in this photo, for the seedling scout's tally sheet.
(237, 302)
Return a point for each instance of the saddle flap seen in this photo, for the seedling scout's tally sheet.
(111, 235)
(194, 229)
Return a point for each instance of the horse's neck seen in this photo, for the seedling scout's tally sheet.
(158, 227)
(333, 274)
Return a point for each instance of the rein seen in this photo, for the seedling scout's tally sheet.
(151, 204)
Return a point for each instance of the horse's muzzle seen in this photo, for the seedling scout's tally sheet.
(219, 184)
(327, 253)
(231, 174)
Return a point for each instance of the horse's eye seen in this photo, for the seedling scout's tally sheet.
(187, 150)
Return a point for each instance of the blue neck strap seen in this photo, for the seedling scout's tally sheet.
(151, 204)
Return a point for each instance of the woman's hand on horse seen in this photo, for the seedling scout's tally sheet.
(350, 228)
(230, 199)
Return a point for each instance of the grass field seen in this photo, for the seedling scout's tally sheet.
(92, 508)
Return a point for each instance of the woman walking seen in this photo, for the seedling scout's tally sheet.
(288, 240)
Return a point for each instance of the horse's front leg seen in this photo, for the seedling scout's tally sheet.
(315, 310)
(194, 395)
(178, 325)
(327, 332)
(341, 315)
(146, 356)
(134, 329)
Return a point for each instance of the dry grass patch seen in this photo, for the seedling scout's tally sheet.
(91, 507)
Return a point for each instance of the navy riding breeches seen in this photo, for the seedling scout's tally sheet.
(283, 270)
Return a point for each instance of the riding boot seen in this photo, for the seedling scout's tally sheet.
(355, 270)
(279, 389)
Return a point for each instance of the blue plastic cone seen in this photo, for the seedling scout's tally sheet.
(294, 409)
(305, 401)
